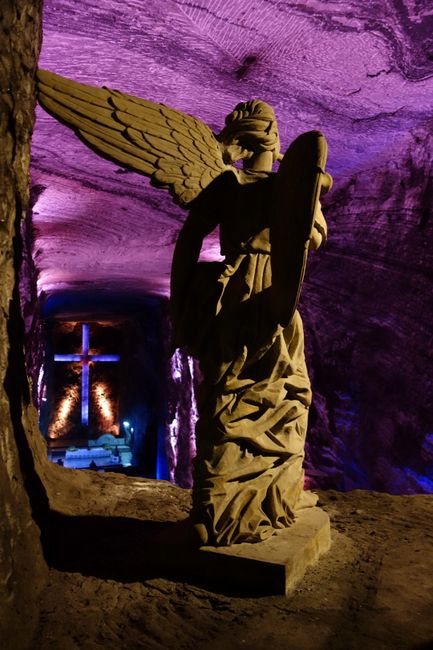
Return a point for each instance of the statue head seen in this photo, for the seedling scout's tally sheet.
(250, 129)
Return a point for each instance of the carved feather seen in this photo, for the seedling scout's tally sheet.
(178, 151)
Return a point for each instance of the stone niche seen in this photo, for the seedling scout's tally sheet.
(125, 396)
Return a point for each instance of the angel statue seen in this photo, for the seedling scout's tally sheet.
(237, 317)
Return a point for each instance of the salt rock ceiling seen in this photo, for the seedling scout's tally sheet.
(360, 72)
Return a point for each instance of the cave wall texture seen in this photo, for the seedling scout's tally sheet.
(360, 72)
(22, 567)
(367, 311)
(102, 236)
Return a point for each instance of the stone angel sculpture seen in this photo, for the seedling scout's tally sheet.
(237, 317)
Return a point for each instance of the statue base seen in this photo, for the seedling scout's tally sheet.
(275, 565)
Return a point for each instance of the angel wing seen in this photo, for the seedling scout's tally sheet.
(178, 151)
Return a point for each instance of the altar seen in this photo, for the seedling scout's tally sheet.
(101, 403)
(103, 452)
(88, 458)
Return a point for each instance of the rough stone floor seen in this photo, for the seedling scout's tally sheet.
(373, 590)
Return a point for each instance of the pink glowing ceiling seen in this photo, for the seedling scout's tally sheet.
(359, 71)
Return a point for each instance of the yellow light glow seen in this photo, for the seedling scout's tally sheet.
(103, 401)
(63, 412)
(100, 393)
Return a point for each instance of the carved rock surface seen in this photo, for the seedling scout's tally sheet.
(363, 74)
(367, 309)
(360, 72)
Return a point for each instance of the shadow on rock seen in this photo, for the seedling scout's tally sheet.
(130, 550)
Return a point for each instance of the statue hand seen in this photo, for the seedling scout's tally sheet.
(319, 231)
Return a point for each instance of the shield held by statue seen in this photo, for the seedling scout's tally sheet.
(298, 184)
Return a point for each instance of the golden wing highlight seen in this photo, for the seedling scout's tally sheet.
(178, 151)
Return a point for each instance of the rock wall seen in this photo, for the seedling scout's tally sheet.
(367, 312)
(22, 567)
(30, 305)
(182, 416)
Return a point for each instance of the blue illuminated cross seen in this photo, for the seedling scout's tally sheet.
(85, 358)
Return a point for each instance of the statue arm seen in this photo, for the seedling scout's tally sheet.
(185, 258)
(207, 211)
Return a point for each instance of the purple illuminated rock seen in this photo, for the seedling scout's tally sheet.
(367, 307)
(362, 73)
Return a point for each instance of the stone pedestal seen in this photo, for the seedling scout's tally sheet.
(278, 563)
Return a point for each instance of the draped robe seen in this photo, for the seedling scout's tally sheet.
(254, 398)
